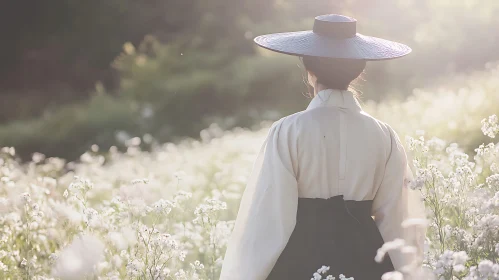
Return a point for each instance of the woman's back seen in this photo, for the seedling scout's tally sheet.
(355, 166)
(338, 154)
(340, 149)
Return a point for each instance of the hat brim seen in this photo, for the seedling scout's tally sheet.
(308, 43)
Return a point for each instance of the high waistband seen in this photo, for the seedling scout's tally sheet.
(334, 204)
(334, 211)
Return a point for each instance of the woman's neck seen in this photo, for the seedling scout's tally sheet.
(319, 88)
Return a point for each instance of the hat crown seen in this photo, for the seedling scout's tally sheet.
(335, 26)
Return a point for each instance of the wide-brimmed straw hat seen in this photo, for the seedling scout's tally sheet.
(333, 36)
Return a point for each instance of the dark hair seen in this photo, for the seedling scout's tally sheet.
(334, 73)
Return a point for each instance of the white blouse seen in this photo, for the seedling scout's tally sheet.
(331, 148)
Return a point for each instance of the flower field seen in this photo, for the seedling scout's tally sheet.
(167, 213)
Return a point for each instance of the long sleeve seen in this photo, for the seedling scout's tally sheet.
(395, 203)
(267, 214)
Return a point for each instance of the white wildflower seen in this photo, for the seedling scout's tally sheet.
(490, 126)
(388, 246)
(163, 206)
(316, 276)
(323, 269)
(392, 275)
(3, 267)
(79, 257)
(135, 268)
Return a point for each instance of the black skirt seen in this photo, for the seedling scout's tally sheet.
(333, 232)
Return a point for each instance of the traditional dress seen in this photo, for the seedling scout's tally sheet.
(319, 177)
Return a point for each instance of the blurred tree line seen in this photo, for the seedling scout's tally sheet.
(77, 73)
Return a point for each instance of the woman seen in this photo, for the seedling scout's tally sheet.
(322, 173)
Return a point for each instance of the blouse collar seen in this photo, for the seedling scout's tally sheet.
(335, 98)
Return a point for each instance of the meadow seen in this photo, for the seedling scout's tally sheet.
(167, 213)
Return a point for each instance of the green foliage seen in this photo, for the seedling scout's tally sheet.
(72, 129)
(173, 81)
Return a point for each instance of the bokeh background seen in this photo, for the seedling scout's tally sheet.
(77, 73)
